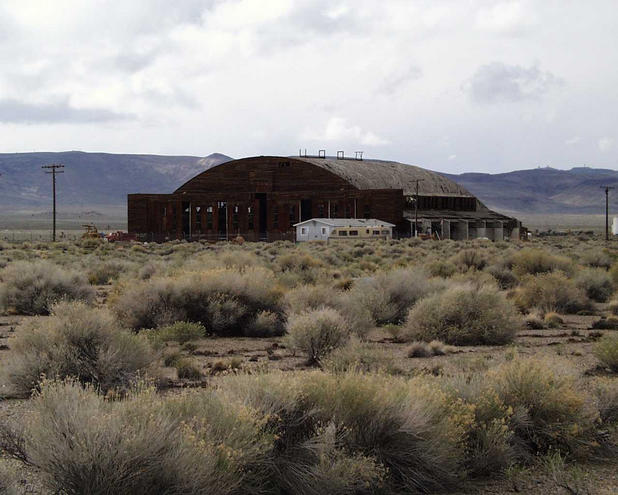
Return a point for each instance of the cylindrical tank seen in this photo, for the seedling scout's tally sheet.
(615, 226)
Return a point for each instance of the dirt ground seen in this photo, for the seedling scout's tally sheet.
(217, 357)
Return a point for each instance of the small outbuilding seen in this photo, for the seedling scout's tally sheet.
(323, 229)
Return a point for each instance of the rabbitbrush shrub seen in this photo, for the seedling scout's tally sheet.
(606, 393)
(550, 410)
(531, 261)
(317, 332)
(406, 427)
(306, 432)
(181, 332)
(550, 292)
(82, 443)
(307, 297)
(523, 408)
(596, 258)
(470, 259)
(606, 351)
(596, 283)
(464, 315)
(389, 295)
(358, 356)
(76, 341)
(226, 302)
(102, 273)
(31, 288)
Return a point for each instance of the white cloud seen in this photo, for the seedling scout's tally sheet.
(253, 77)
(337, 12)
(572, 140)
(338, 130)
(452, 157)
(238, 14)
(506, 17)
(605, 144)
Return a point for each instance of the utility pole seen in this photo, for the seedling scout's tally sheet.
(54, 170)
(416, 207)
(607, 189)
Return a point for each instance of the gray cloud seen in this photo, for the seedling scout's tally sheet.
(15, 111)
(310, 19)
(497, 82)
(249, 77)
(133, 62)
(399, 78)
(175, 97)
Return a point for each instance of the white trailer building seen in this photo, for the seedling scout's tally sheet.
(323, 229)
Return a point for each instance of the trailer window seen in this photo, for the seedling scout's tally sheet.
(343, 233)
(376, 232)
(353, 232)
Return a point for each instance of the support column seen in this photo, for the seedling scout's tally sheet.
(446, 229)
(481, 228)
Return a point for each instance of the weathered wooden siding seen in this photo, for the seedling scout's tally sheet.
(264, 174)
(292, 190)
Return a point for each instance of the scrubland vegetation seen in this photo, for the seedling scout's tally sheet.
(352, 368)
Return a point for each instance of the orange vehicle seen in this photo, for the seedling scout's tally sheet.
(91, 231)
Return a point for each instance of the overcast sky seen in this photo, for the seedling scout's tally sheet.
(449, 85)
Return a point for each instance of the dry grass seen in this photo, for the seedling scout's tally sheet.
(358, 356)
(181, 332)
(429, 349)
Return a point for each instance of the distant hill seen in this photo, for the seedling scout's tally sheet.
(105, 179)
(74, 215)
(544, 190)
(94, 178)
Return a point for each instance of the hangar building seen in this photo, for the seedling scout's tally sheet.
(261, 198)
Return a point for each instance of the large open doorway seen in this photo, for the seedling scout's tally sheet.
(262, 215)
(305, 210)
(222, 219)
(186, 220)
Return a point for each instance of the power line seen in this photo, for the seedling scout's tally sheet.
(54, 170)
(607, 189)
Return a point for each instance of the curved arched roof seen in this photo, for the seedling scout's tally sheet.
(381, 174)
(361, 174)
